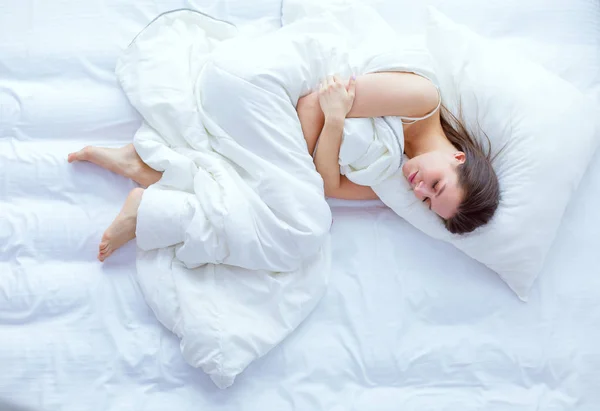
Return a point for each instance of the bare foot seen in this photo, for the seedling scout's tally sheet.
(124, 161)
(122, 228)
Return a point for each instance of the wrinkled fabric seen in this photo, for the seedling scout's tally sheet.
(233, 240)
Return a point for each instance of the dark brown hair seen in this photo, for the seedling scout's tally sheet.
(476, 177)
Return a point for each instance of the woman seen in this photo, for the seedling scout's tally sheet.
(447, 169)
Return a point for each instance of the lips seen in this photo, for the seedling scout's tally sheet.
(412, 177)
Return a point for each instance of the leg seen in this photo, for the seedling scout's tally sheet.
(311, 119)
(124, 161)
(122, 229)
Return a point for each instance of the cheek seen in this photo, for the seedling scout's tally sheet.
(409, 166)
(411, 162)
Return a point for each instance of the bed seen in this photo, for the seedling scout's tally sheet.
(407, 321)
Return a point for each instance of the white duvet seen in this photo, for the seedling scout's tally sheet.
(233, 240)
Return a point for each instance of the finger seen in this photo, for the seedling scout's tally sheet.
(337, 79)
(349, 84)
(352, 86)
(330, 81)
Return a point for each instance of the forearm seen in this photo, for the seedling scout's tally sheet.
(328, 152)
(311, 119)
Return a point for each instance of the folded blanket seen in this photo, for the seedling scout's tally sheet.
(234, 239)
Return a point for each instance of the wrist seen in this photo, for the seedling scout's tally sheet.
(335, 119)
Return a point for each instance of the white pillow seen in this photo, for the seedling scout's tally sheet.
(550, 130)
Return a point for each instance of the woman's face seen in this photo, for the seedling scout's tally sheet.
(434, 180)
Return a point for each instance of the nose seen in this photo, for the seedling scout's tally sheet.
(422, 190)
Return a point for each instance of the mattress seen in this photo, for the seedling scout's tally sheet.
(407, 322)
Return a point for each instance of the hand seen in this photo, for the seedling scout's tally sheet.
(335, 98)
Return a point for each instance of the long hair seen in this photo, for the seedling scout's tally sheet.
(476, 177)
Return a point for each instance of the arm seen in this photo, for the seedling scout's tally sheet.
(328, 153)
(394, 94)
(327, 164)
(378, 95)
(312, 122)
(336, 101)
(347, 190)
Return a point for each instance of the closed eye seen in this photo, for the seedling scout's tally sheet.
(435, 184)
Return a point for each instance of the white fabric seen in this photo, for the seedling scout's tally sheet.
(527, 112)
(405, 319)
(234, 238)
(528, 115)
(240, 201)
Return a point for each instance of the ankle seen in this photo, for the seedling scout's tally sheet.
(133, 170)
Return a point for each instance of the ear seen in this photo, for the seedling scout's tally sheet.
(460, 157)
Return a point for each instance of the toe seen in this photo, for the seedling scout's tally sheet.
(102, 255)
(104, 250)
(76, 156)
(80, 155)
(85, 154)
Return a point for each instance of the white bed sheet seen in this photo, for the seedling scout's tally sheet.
(407, 322)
